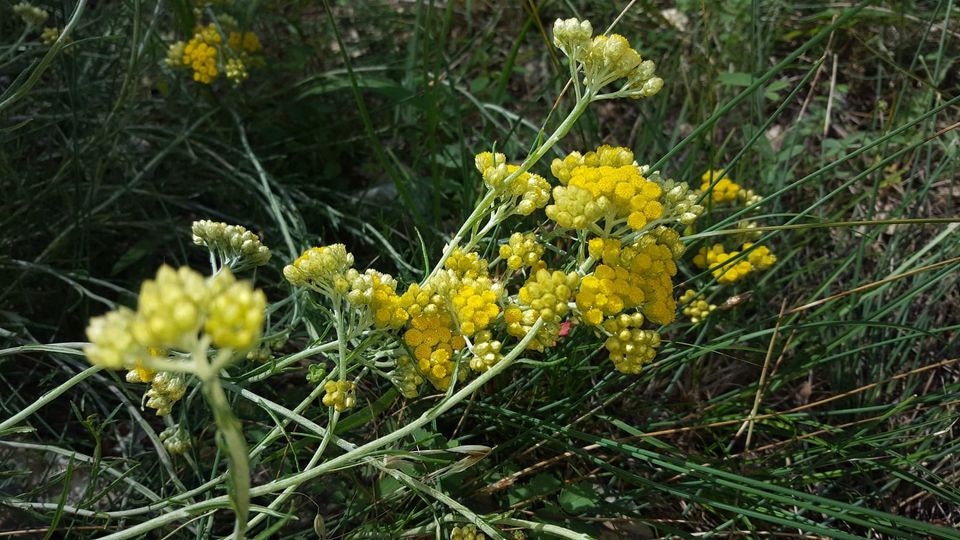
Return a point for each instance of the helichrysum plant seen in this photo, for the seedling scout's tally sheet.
(186, 325)
(738, 256)
(219, 48)
(601, 263)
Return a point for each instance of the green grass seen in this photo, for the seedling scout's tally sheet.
(822, 402)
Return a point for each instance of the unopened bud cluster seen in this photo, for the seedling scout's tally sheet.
(340, 395)
(30, 14)
(694, 306)
(235, 245)
(467, 532)
(606, 59)
(176, 440)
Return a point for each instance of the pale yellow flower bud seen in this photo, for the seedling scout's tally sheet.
(30, 14)
(235, 318)
(572, 36)
(111, 340)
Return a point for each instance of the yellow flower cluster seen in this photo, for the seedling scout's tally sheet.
(244, 41)
(695, 306)
(545, 294)
(475, 305)
(322, 269)
(605, 156)
(200, 53)
(638, 275)
(50, 35)
(606, 59)
(486, 352)
(467, 532)
(608, 291)
(460, 300)
(378, 291)
(727, 268)
(723, 188)
(760, 257)
(340, 395)
(171, 311)
(166, 389)
(521, 251)
(526, 192)
(236, 71)
(594, 189)
(433, 341)
(406, 377)
(466, 264)
(235, 317)
(207, 54)
(629, 346)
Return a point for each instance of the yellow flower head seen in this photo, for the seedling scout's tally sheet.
(760, 257)
(170, 308)
(466, 264)
(724, 189)
(322, 269)
(175, 54)
(572, 36)
(433, 340)
(467, 532)
(377, 292)
(629, 346)
(340, 395)
(695, 306)
(526, 192)
(244, 41)
(202, 58)
(176, 440)
(235, 315)
(166, 389)
(609, 58)
(50, 35)
(521, 251)
(595, 189)
(112, 344)
(236, 70)
(486, 352)
(475, 304)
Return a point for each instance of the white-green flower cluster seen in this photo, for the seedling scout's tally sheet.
(681, 201)
(606, 59)
(176, 440)
(235, 246)
(31, 14)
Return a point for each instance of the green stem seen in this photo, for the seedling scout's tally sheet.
(484, 205)
(48, 397)
(230, 432)
(34, 77)
(346, 459)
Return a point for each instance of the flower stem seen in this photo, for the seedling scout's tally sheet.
(484, 205)
(230, 432)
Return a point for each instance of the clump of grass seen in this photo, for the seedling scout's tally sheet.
(817, 398)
